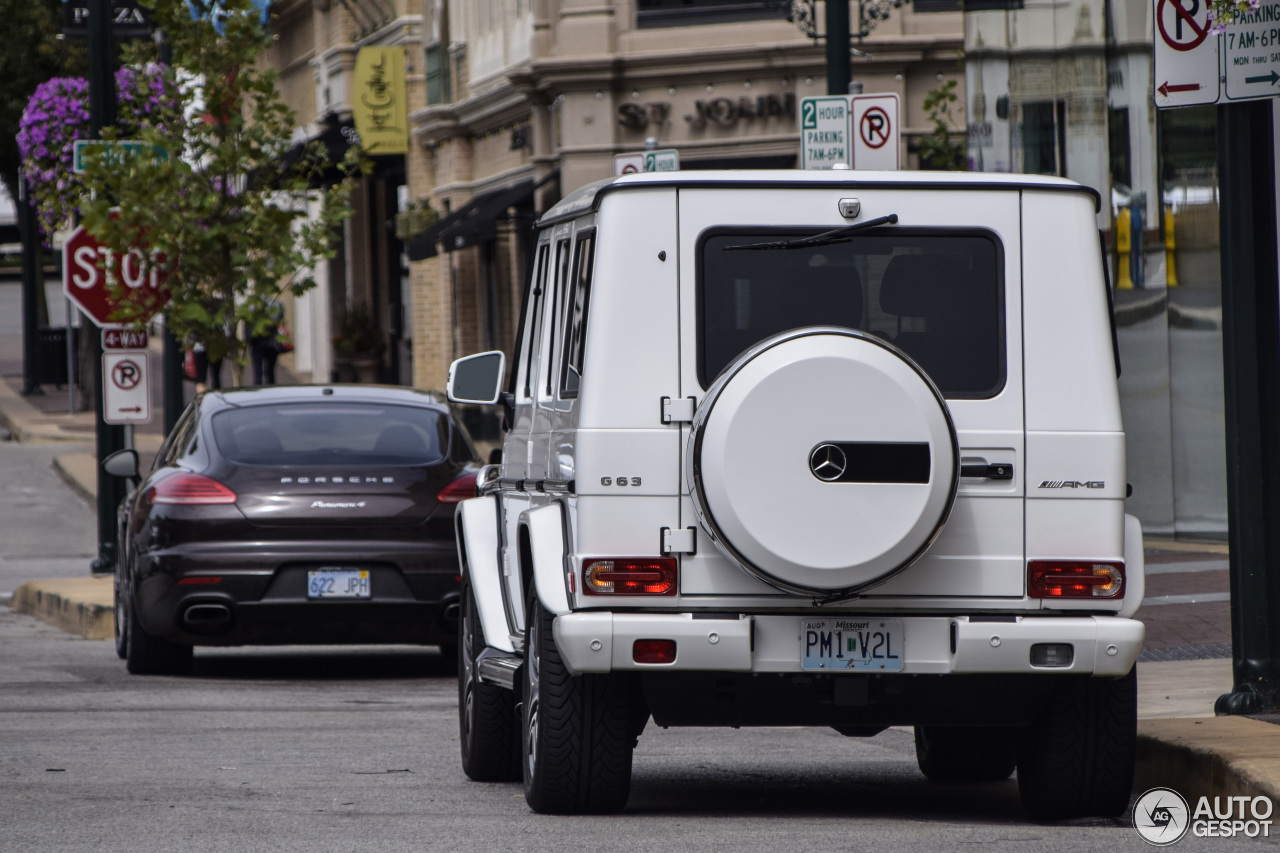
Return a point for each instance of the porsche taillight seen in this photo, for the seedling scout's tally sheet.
(188, 489)
(459, 490)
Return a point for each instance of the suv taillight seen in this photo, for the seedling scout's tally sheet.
(459, 490)
(629, 576)
(190, 489)
(1074, 579)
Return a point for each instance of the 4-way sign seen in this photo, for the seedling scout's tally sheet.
(1194, 65)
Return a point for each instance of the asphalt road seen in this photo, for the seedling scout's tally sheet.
(354, 750)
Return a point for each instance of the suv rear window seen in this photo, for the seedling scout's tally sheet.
(937, 295)
(346, 434)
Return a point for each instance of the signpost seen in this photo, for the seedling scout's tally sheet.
(1193, 66)
(1236, 70)
(877, 142)
(100, 282)
(127, 19)
(1252, 55)
(634, 162)
(117, 152)
(126, 397)
(860, 131)
(824, 132)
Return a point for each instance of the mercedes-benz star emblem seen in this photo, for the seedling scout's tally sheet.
(827, 462)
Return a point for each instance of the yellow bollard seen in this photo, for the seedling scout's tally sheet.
(1123, 247)
(1171, 271)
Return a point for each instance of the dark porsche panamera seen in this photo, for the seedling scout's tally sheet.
(300, 514)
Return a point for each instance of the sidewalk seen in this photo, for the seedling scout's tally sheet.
(1181, 744)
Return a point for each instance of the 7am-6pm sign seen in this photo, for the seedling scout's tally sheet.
(1196, 66)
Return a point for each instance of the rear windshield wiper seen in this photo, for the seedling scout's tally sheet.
(824, 239)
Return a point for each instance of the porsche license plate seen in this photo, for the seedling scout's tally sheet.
(851, 644)
(338, 583)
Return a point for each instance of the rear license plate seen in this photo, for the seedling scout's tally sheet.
(338, 583)
(861, 644)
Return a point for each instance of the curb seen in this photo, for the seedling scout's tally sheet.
(80, 606)
(79, 471)
(1209, 757)
(28, 425)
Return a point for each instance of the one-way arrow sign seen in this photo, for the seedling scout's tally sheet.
(1166, 88)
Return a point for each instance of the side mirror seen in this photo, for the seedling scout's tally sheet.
(122, 463)
(477, 378)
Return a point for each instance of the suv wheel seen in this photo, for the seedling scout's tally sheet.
(1077, 758)
(487, 725)
(148, 655)
(966, 754)
(577, 732)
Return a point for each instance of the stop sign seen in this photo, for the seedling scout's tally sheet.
(101, 282)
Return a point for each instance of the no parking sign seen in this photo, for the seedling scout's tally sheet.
(126, 397)
(877, 134)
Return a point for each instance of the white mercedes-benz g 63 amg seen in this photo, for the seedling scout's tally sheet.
(807, 448)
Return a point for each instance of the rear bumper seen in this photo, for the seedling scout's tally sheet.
(591, 641)
(262, 599)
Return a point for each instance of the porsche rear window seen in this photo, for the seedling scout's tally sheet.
(346, 434)
(938, 295)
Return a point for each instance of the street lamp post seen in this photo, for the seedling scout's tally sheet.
(110, 438)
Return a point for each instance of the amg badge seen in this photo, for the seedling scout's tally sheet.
(1073, 484)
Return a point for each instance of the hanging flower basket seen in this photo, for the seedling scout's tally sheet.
(57, 114)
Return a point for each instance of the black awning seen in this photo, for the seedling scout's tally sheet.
(474, 222)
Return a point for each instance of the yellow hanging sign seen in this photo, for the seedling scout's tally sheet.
(379, 101)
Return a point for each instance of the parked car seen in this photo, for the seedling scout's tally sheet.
(807, 448)
(293, 514)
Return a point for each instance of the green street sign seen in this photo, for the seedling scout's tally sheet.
(662, 160)
(117, 153)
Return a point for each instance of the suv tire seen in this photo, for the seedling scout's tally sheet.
(487, 726)
(577, 732)
(966, 754)
(1077, 758)
(148, 655)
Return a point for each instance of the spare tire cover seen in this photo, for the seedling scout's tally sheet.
(823, 461)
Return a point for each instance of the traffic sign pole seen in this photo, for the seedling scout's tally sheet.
(102, 98)
(1250, 340)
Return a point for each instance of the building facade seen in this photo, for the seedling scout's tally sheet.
(353, 325)
(527, 100)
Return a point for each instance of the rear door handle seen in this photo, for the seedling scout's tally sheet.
(998, 471)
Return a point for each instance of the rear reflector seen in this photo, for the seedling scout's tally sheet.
(190, 489)
(199, 581)
(629, 576)
(653, 651)
(459, 490)
(1074, 579)
(1052, 654)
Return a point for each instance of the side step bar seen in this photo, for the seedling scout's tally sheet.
(498, 667)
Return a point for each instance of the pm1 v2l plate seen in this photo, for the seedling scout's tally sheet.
(338, 583)
(857, 644)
